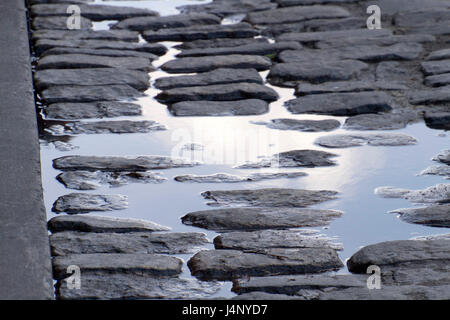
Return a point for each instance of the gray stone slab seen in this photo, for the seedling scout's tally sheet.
(224, 8)
(387, 40)
(290, 3)
(438, 120)
(436, 67)
(68, 35)
(231, 178)
(303, 125)
(421, 17)
(100, 52)
(357, 140)
(346, 86)
(75, 203)
(58, 23)
(384, 121)
(437, 170)
(309, 37)
(443, 157)
(102, 127)
(433, 216)
(99, 224)
(220, 108)
(100, 109)
(247, 219)
(439, 193)
(204, 64)
(438, 80)
(439, 55)
(435, 95)
(220, 43)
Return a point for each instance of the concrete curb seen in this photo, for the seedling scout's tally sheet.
(25, 263)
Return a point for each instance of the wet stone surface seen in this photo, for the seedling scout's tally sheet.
(113, 35)
(386, 121)
(223, 8)
(99, 127)
(75, 203)
(434, 194)
(58, 23)
(219, 108)
(101, 109)
(302, 125)
(346, 86)
(229, 178)
(356, 140)
(433, 216)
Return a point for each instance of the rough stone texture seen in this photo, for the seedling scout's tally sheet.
(294, 158)
(437, 170)
(113, 263)
(289, 3)
(220, 108)
(230, 178)
(99, 224)
(436, 67)
(439, 193)
(289, 74)
(232, 264)
(240, 30)
(433, 216)
(100, 52)
(309, 37)
(214, 77)
(112, 35)
(222, 92)
(384, 121)
(72, 242)
(75, 203)
(273, 197)
(439, 55)
(356, 140)
(436, 95)
(387, 40)
(396, 72)
(303, 125)
(438, 80)
(203, 64)
(89, 93)
(220, 43)
(167, 22)
(224, 8)
(424, 20)
(111, 163)
(58, 23)
(91, 77)
(438, 120)
(443, 157)
(341, 104)
(259, 218)
(100, 127)
(100, 109)
(346, 86)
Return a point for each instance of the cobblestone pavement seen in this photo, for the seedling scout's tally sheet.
(236, 58)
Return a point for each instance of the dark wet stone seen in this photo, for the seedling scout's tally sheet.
(264, 239)
(154, 48)
(240, 30)
(113, 263)
(58, 23)
(247, 219)
(95, 13)
(222, 92)
(439, 193)
(101, 127)
(289, 3)
(443, 157)
(396, 252)
(110, 163)
(88, 180)
(214, 77)
(289, 74)
(341, 104)
(72, 61)
(224, 8)
(220, 43)
(230, 178)
(384, 121)
(303, 125)
(435, 95)
(71, 242)
(100, 52)
(91, 77)
(436, 67)
(439, 55)
(387, 40)
(204, 64)
(433, 216)
(68, 35)
(294, 158)
(437, 170)
(232, 264)
(422, 19)
(251, 49)
(167, 22)
(89, 93)
(75, 203)
(391, 72)
(273, 197)
(438, 80)
(311, 37)
(356, 140)
(60, 1)
(125, 286)
(220, 108)
(100, 109)
(346, 86)
(88, 223)
(296, 14)
(253, 296)
(438, 120)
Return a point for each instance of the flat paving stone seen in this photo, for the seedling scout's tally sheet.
(88, 180)
(302, 125)
(204, 64)
(230, 178)
(99, 224)
(220, 108)
(250, 49)
(72, 242)
(357, 140)
(58, 23)
(292, 159)
(346, 86)
(75, 203)
(439, 55)
(116, 163)
(439, 193)
(220, 43)
(91, 77)
(113, 263)
(214, 77)
(167, 22)
(102, 127)
(341, 104)
(437, 170)
(68, 35)
(95, 13)
(296, 14)
(271, 197)
(383, 121)
(438, 80)
(423, 17)
(311, 37)
(222, 92)
(100, 52)
(391, 72)
(443, 157)
(99, 109)
(438, 120)
(89, 93)
(224, 8)
(432, 216)
(247, 219)
(232, 264)
(240, 30)
(290, 74)
(430, 96)
(436, 67)
(290, 3)
(387, 40)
